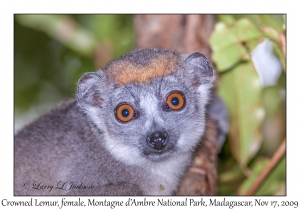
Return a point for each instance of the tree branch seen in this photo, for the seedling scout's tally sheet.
(273, 162)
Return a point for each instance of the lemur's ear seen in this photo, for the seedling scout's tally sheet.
(88, 92)
(201, 69)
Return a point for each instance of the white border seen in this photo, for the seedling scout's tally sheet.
(8, 8)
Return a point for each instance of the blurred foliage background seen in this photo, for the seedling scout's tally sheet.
(51, 52)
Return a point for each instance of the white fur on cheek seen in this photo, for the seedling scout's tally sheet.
(118, 150)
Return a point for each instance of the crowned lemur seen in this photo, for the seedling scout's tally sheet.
(132, 129)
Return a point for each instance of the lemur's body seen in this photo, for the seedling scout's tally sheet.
(131, 131)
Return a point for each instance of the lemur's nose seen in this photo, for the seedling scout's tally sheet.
(158, 140)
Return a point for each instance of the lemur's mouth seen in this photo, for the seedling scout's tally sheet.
(158, 156)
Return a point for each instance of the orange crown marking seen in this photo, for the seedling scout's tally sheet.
(125, 72)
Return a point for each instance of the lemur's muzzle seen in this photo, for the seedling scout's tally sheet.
(158, 140)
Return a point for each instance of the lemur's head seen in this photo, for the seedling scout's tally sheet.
(149, 103)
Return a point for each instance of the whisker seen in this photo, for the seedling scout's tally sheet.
(114, 146)
(129, 92)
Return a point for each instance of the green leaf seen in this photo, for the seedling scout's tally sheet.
(233, 55)
(233, 44)
(274, 21)
(271, 33)
(241, 91)
(227, 19)
(272, 99)
(253, 18)
(245, 30)
(280, 54)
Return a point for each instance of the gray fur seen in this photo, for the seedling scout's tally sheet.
(218, 112)
(82, 141)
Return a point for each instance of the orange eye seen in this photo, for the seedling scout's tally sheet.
(175, 101)
(124, 112)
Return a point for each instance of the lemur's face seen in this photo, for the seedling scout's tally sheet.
(145, 114)
(155, 120)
